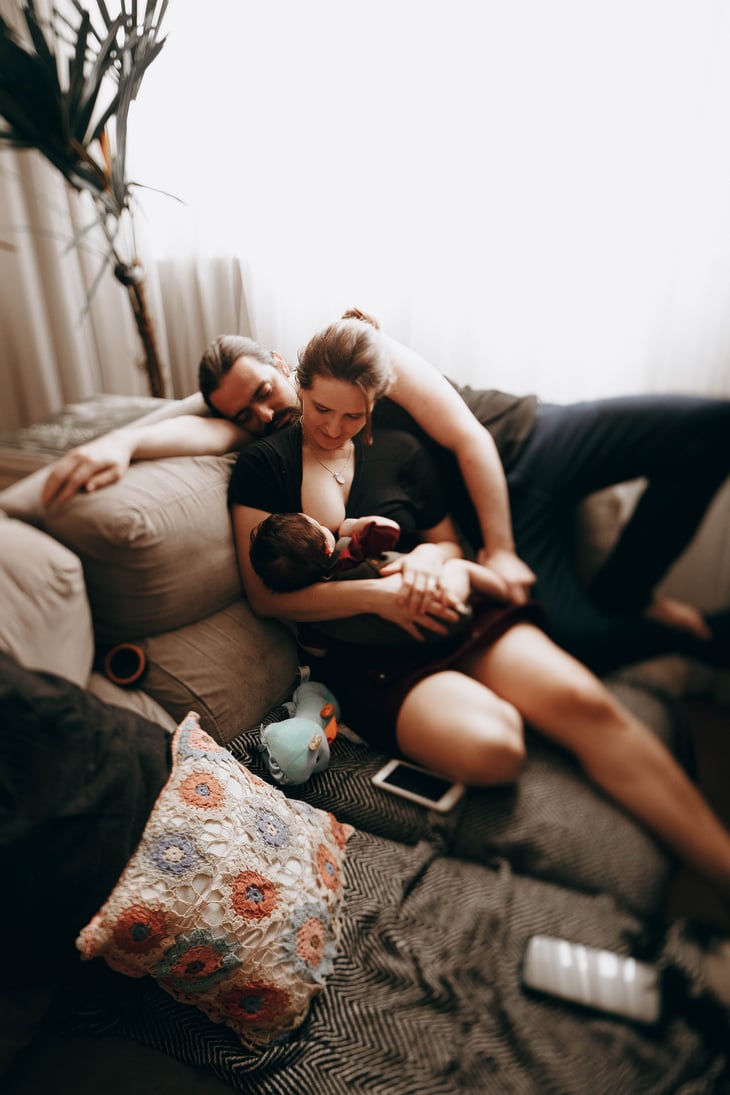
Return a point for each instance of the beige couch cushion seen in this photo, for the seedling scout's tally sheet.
(231, 668)
(157, 546)
(46, 621)
(134, 699)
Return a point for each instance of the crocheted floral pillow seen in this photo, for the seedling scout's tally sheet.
(231, 900)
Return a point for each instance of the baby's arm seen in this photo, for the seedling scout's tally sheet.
(460, 577)
(354, 526)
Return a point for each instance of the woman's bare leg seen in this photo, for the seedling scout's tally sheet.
(454, 725)
(558, 696)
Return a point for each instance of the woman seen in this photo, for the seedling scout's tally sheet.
(464, 713)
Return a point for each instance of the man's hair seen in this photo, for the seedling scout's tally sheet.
(222, 353)
(288, 552)
(350, 350)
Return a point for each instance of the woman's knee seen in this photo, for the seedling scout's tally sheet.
(496, 752)
(457, 726)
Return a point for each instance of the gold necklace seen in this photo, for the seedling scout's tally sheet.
(337, 475)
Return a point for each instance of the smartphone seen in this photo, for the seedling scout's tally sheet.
(418, 785)
(593, 978)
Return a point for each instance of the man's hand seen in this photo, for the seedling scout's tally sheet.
(509, 567)
(87, 468)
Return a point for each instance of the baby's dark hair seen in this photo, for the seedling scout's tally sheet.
(288, 552)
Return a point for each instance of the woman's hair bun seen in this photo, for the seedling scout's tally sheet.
(355, 313)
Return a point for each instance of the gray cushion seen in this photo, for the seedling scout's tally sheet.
(46, 619)
(231, 668)
(157, 546)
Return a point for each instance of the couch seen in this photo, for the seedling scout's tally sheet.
(425, 994)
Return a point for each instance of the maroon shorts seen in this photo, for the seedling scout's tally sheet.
(371, 683)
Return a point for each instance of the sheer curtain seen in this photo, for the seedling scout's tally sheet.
(535, 196)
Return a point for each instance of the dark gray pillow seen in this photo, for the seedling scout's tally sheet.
(78, 779)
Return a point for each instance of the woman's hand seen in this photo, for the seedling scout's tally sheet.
(387, 600)
(516, 575)
(420, 571)
(423, 592)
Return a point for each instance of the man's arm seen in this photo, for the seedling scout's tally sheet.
(105, 459)
(439, 410)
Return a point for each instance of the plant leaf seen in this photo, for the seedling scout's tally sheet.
(103, 68)
(63, 113)
(76, 80)
(81, 233)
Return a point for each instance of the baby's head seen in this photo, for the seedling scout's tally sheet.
(290, 551)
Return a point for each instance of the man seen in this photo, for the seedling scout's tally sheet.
(516, 471)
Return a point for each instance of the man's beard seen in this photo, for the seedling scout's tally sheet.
(285, 417)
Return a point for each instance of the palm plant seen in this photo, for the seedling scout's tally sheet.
(66, 87)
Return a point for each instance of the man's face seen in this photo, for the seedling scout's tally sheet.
(260, 398)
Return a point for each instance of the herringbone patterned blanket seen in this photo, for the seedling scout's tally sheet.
(425, 998)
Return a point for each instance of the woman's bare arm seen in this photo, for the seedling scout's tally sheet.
(105, 459)
(434, 404)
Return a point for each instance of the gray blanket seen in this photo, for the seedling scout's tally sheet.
(425, 998)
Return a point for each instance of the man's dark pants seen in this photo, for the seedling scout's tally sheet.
(681, 446)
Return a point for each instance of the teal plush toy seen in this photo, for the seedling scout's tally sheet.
(296, 747)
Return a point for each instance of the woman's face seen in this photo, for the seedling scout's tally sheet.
(332, 412)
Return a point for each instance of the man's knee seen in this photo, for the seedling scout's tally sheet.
(708, 452)
(594, 641)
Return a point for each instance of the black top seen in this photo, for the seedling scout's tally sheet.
(394, 477)
(509, 419)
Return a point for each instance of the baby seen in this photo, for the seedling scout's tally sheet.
(291, 550)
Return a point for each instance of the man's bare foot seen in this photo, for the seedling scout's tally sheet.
(677, 614)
